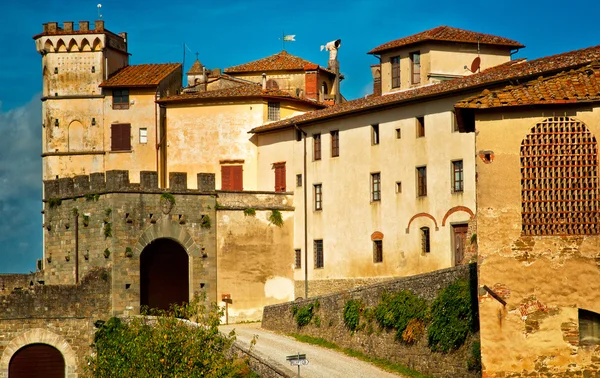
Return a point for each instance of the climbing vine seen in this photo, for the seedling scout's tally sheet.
(352, 310)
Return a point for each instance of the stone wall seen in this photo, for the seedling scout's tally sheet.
(376, 342)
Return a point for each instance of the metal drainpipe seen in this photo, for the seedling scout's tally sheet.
(76, 248)
(305, 216)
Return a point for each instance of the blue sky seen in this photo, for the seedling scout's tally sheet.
(227, 33)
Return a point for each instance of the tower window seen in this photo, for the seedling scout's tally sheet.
(375, 134)
(425, 240)
(121, 99)
(274, 113)
(395, 61)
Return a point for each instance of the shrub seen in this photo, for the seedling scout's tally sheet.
(249, 212)
(304, 314)
(451, 317)
(395, 311)
(352, 314)
(168, 197)
(276, 218)
(205, 222)
(414, 331)
(474, 362)
(54, 202)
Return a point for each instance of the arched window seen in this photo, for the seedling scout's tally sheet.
(425, 240)
(559, 185)
(272, 84)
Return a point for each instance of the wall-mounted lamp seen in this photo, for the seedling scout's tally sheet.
(56, 123)
(93, 121)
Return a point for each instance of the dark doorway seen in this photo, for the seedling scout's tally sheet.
(164, 274)
(37, 361)
(459, 236)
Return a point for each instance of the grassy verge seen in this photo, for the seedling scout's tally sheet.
(379, 362)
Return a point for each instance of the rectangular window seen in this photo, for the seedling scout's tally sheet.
(425, 240)
(395, 61)
(297, 258)
(420, 127)
(415, 59)
(375, 134)
(273, 111)
(589, 328)
(318, 194)
(316, 146)
(120, 98)
(398, 187)
(421, 181)
(453, 121)
(318, 248)
(143, 135)
(377, 251)
(457, 176)
(232, 177)
(298, 135)
(299, 180)
(120, 137)
(398, 133)
(376, 186)
(279, 177)
(335, 143)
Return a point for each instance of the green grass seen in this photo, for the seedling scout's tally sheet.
(379, 362)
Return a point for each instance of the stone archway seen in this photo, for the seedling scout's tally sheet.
(39, 336)
(37, 361)
(164, 274)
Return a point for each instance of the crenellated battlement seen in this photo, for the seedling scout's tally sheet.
(117, 181)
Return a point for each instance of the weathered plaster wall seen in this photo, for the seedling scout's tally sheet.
(543, 279)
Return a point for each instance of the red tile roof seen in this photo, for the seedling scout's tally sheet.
(141, 75)
(279, 62)
(239, 92)
(492, 77)
(447, 34)
(578, 85)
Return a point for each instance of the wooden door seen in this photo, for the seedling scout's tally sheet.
(459, 233)
(37, 361)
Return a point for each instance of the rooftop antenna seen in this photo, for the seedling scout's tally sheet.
(99, 7)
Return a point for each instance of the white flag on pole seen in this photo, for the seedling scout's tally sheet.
(289, 38)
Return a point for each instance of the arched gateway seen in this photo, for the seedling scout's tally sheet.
(37, 361)
(164, 274)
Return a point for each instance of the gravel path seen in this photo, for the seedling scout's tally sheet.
(323, 363)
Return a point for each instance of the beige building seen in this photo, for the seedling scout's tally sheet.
(537, 219)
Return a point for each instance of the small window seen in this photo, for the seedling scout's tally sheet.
(121, 99)
(273, 112)
(377, 251)
(425, 240)
(457, 176)
(398, 187)
(318, 248)
(279, 177)
(120, 137)
(420, 127)
(589, 328)
(375, 134)
(316, 146)
(298, 135)
(297, 258)
(398, 133)
(415, 59)
(335, 143)
(299, 180)
(318, 194)
(376, 186)
(421, 181)
(453, 121)
(143, 135)
(232, 177)
(395, 62)
(324, 88)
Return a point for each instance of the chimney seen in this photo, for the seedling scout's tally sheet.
(84, 25)
(68, 25)
(52, 27)
(99, 25)
(264, 81)
(311, 81)
(45, 27)
(376, 72)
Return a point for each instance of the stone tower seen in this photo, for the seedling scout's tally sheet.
(75, 61)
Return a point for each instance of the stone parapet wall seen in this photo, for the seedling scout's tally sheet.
(323, 287)
(8, 282)
(255, 200)
(376, 342)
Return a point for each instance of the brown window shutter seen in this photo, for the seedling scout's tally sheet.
(280, 177)
(237, 174)
(226, 178)
(120, 137)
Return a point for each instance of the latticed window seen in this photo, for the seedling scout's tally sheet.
(335, 143)
(318, 248)
(395, 61)
(297, 258)
(559, 184)
(274, 114)
(316, 146)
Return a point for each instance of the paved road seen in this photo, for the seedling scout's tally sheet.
(323, 363)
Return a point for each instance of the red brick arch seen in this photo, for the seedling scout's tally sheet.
(377, 235)
(456, 209)
(426, 215)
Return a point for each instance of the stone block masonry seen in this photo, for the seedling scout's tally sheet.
(376, 342)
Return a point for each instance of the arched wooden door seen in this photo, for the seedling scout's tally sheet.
(164, 274)
(37, 361)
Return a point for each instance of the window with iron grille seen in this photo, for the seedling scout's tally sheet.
(120, 98)
(335, 143)
(376, 186)
(457, 176)
(421, 181)
(425, 240)
(273, 114)
(318, 193)
(318, 248)
(299, 179)
(395, 61)
(375, 134)
(420, 127)
(415, 59)
(316, 146)
(377, 251)
(120, 137)
(297, 258)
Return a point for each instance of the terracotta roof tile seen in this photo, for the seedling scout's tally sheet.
(196, 68)
(141, 75)
(492, 77)
(578, 85)
(447, 34)
(278, 62)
